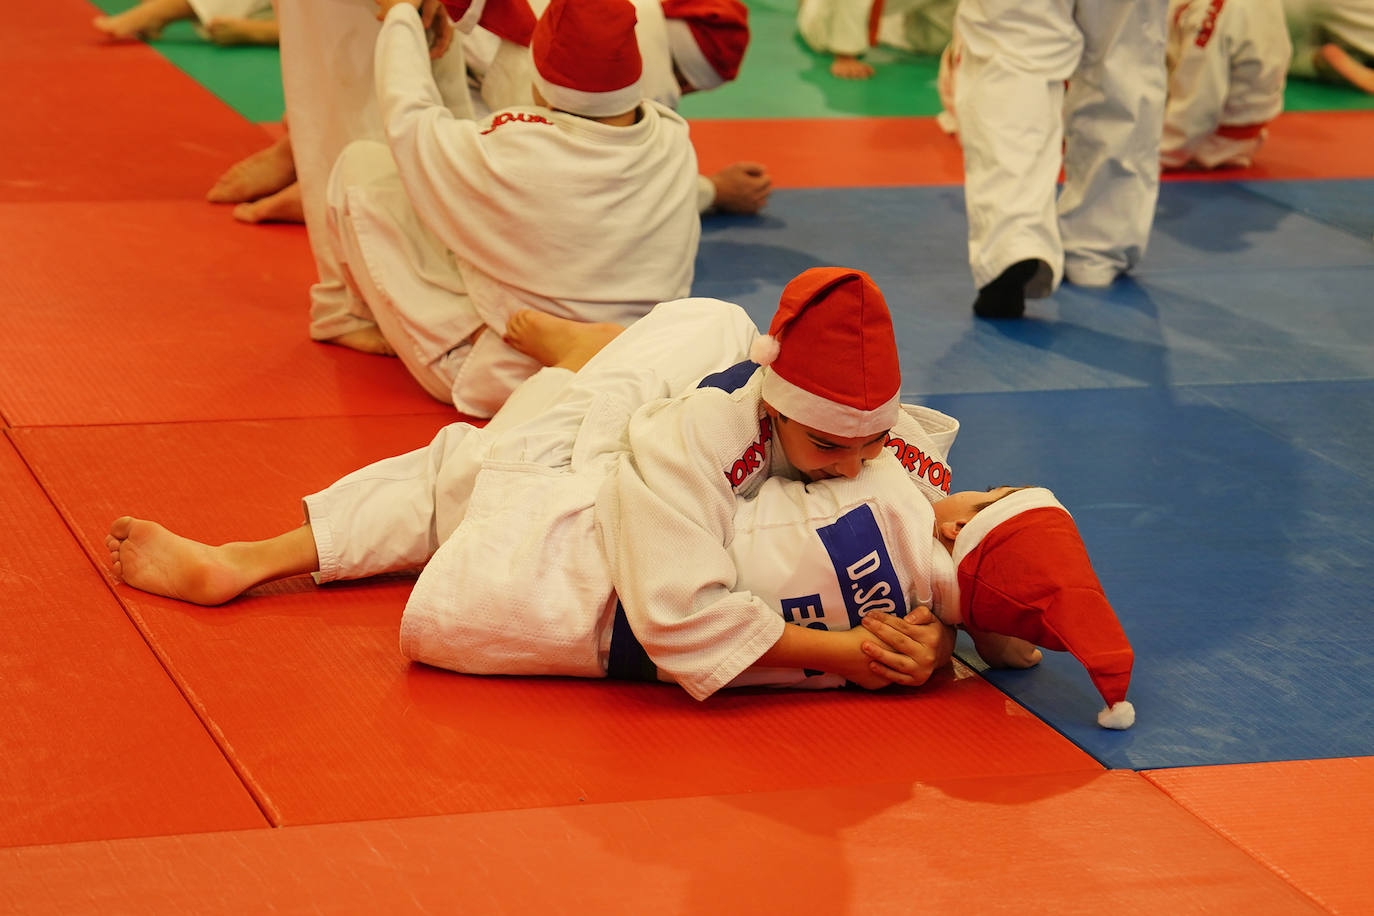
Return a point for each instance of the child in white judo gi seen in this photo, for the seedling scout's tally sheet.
(1019, 125)
(555, 464)
(1227, 67)
(582, 205)
(225, 22)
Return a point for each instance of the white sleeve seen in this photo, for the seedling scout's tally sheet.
(665, 516)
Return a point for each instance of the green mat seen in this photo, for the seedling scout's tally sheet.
(781, 77)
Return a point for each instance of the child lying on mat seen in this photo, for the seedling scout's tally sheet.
(481, 508)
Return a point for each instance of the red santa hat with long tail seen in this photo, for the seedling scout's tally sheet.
(586, 57)
(830, 355)
(707, 39)
(1023, 571)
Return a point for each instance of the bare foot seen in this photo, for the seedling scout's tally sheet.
(555, 341)
(144, 21)
(149, 557)
(242, 31)
(282, 207)
(1005, 651)
(265, 172)
(365, 340)
(850, 68)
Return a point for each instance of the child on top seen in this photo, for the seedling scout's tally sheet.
(543, 456)
(1227, 68)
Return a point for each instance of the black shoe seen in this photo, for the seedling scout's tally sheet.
(1005, 297)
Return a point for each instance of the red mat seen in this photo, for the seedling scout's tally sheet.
(171, 311)
(328, 722)
(1055, 843)
(914, 151)
(97, 743)
(1307, 820)
(105, 121)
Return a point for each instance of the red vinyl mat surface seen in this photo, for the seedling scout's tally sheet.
(1308, 820)
(148, 324)
(327, 721)
(1105, 842)
(97, 742)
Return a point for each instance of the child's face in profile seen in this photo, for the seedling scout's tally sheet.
(956, 510)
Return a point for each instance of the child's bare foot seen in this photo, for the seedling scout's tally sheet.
(265, 172)
(149, 557)
(846, 67)
(144, 21)
(1005, 651)
(242, 31)
(555, 341)
(282, 207)
(365, 340)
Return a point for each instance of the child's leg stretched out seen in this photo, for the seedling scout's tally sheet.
(149, 557)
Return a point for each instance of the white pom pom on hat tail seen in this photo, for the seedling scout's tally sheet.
(1120, 715)
(764, 349)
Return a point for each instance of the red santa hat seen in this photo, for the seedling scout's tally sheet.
(706, 39)
(586, 58)
(512, 20)
(831, 356)
(1023, 571)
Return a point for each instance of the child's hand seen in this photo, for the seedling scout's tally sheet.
(903, 650)
(438, 27)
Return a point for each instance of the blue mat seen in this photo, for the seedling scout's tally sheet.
(1209, 422)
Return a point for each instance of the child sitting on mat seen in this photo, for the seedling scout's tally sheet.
(1227, 69)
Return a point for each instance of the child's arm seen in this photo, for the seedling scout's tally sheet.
(884, 650)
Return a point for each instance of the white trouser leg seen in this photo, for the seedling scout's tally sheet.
(394, 263)
(327, 80)
(1009, 100)
(1114, 116)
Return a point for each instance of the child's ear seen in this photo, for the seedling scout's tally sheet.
(950, 530)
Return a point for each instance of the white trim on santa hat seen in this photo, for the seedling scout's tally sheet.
(589, 104)
(1008, 506)
(468, 21)
(823, 414)
(690, 59)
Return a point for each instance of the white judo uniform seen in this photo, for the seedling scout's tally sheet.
(502, 71)
(1018, 124)
(504, 520)
(1228, 63)
(462, 223)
